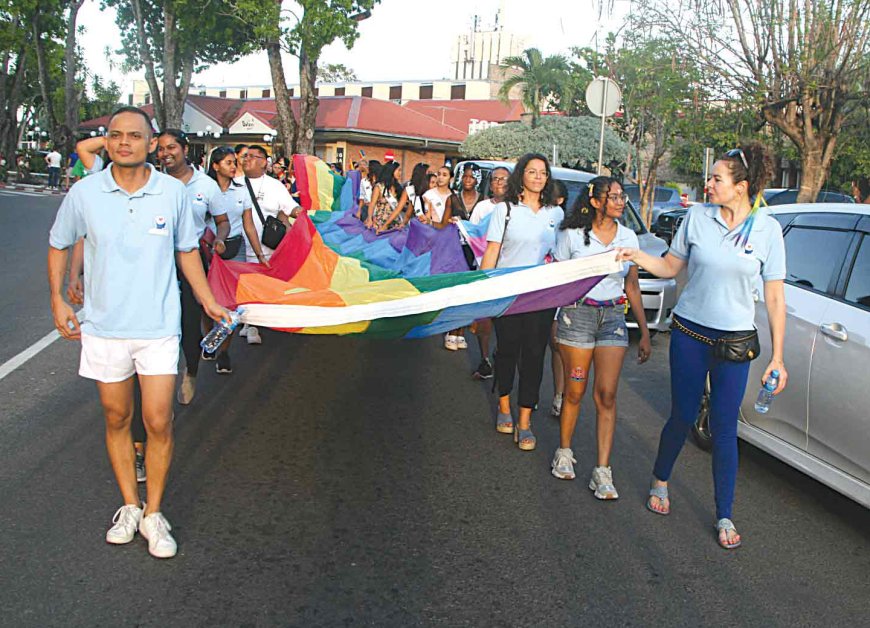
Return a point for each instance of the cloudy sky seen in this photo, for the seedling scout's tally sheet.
(403, 40)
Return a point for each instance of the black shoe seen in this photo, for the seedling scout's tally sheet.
(484, 370)
(223, 365)
(207, 357)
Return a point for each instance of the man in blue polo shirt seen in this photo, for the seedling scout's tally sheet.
(136, 223)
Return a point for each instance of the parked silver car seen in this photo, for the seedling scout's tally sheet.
(659, 295)
(820, 424)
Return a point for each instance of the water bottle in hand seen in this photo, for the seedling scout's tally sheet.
(765, 395)
(220, 332)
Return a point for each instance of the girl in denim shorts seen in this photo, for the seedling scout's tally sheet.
(592, 332)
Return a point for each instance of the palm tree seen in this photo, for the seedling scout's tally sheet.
(539, 78)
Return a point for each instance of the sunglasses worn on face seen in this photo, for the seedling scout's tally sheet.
(738, 152)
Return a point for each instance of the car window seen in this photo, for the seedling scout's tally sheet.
(663, 195)
(633, 192)
(814, 256)
(784, 219)
(858, 288)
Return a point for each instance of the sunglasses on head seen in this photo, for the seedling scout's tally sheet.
(738, 152)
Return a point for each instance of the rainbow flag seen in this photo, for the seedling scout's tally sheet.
(322, 189)
(312, 289)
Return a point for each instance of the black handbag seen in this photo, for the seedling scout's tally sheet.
(273, 229)
(735, 346)
(232, 247)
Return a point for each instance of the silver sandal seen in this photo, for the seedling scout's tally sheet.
(660, 492)
(728, 526)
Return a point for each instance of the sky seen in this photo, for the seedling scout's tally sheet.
(403, 40)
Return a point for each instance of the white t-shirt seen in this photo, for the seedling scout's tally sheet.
(52, 160)
(437, 201)
(365, 191)
(273, 197)
(482, 210)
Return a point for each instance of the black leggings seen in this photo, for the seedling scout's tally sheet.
(191, 328)
(522, 341)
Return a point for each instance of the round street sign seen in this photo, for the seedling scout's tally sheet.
(389, 156)
(603, 97)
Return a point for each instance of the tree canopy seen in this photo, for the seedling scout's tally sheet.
(538, 78)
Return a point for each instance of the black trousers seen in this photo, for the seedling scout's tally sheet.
(191, 328)
(522, 342)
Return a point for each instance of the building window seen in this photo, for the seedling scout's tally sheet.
(457, 92)
(148, 98)
(339, 91)
(202, 92)
(130, 99)
(425, 92)
(317, 91)
(267, 93)
(292, 92)
(395, 92)
(222, 93)
(367, 92)
(243, 93)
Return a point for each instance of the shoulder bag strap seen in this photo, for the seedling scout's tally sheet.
(507, 219)
(254, 200)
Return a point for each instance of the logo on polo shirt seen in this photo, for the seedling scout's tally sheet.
(748, 249)
(199, 198)
(552, 224)
(159, 222)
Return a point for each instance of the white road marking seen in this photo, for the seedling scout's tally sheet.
(17, 193)
(28, 353)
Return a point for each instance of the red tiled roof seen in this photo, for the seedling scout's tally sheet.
(459, 113)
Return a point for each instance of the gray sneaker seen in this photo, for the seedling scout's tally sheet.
(563, 464)
(602, 483)
(126, 521)
(140, 467)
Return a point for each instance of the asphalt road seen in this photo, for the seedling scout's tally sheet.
(342, 481)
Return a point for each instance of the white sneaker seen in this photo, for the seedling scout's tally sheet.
(556, 408)
(563, 464)
(187, 388)
(254, 336)
(155, 528)
(460, 342)
(243, 332)
(602, 483)
(126, 521)
(450, 343)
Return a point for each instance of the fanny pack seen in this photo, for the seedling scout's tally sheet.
(735, 346)
(273, 229)
(206, 246)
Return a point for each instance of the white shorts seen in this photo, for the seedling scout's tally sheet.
(111, 360)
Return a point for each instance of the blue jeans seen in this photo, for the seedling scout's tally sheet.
(690, 361)
(53, 177)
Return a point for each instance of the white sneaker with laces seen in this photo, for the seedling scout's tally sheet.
(254, 336)
(450, 343)
(602, 483)
(155, 528)
(126, 521)
(460, 342)
(563, 464)
(556, 408)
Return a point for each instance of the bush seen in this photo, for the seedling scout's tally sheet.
(576, 139)
(674, 186)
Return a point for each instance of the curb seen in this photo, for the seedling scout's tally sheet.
(33, 188)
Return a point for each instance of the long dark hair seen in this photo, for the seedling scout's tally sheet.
(418, 178)
(582, 215)
(387, 176)
(218, 155)
(374, 170)
(515, 181)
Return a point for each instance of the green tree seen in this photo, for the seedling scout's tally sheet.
(575, 140)
(336, 73)
(173, 39)
(537, 77)
(104, 98)
(304, 34)
(804, 65)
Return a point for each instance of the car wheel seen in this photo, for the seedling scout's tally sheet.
(701, 429)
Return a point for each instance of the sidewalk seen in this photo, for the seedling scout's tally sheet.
(30, 187)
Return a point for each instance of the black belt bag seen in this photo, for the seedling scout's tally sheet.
(735, 346)
(232, 247)
(273, 229)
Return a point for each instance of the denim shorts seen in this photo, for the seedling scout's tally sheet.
(587, 327)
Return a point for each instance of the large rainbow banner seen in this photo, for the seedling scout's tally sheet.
(312, 289)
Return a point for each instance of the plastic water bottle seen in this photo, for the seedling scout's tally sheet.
(220, 331)
(765, 395)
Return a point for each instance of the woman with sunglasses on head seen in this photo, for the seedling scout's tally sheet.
(522, 232)
(591, 333)
(727, 247)
(411, 202)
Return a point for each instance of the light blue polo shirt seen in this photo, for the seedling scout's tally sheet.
(131, 289)
(722, 275)
(204, 193)
(233, 203)
(530, 236)
(570, 245)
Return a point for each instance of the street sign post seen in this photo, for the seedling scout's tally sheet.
(603, 97)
